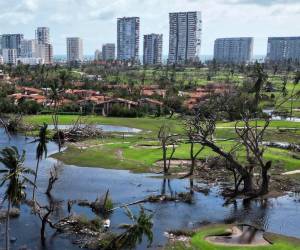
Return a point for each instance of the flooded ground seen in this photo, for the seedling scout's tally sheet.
(281, 215)
(275, 117)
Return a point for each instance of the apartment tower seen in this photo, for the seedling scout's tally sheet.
(185, 37)
(283, 49)
(233, 50)
(74, 50)
(153, 49)
(128, 38)
(108, 51)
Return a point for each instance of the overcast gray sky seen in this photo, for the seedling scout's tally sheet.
(95, 20)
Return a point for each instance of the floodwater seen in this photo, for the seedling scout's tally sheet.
(281, 215)
(274, 117)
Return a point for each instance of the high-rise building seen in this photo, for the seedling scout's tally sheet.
(42, 35)
(9, 56)
(45, 51)
(128, 38)
(109, 51)
(153, 49)
(44, 47)
(233, 50)
(12, 41)
(98, 55)
(74, 50)
(28, 48)
(185, 37)
(283, 49)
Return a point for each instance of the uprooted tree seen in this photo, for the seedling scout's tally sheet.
(250, 136)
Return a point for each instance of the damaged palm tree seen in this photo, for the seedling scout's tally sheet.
(133, 234)
(166, 140)
(41, 151)
(55, 98)
(14, 176)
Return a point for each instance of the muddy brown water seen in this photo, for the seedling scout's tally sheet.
(281, 215)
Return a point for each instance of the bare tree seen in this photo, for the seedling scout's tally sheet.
(166, 140)
(192, 131)
(205, 125)
(54, 174)
(251, 135)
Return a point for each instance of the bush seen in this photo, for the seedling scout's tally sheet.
(29, 107)
(72, 107)
(119, 111)
(7, 106)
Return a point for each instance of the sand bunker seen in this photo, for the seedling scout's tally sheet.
(243, 235)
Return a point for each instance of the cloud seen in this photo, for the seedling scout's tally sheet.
(95, 20)
(263, 2)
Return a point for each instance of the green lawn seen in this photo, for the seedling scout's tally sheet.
(118, 154)
(144, 123)
(142, 159)
(198, 241)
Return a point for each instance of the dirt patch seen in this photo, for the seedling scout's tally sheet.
(119, 154)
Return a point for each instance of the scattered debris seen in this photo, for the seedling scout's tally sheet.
(14, 213)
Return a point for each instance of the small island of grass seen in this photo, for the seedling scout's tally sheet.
(199, 241)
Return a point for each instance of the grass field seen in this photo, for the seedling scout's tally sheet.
(198, 241)
(125, 154)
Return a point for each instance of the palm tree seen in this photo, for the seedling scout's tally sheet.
(41, 150)
(261, 78)
(14, 174)
(142, 225)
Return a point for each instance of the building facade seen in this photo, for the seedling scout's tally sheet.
(45, 52)
(28, 48)
(12, 41)
(108, 51)
(153, 44)
(233, 50)
(74, 50)
(128, 38)
(9, 56)
(98, 55)
(42, 35)
(30, 61)
(44, 47)
(184, 37)
(283, 49)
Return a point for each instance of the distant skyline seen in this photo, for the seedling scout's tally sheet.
(95, 21)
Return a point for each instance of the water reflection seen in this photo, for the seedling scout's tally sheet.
(281, 215)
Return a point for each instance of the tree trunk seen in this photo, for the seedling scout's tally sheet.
(191, 186)
(43, 238)
(264, 189)
(248, 184)
(35, 177)
(192, 159)
(7, 225)
(165, 158)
